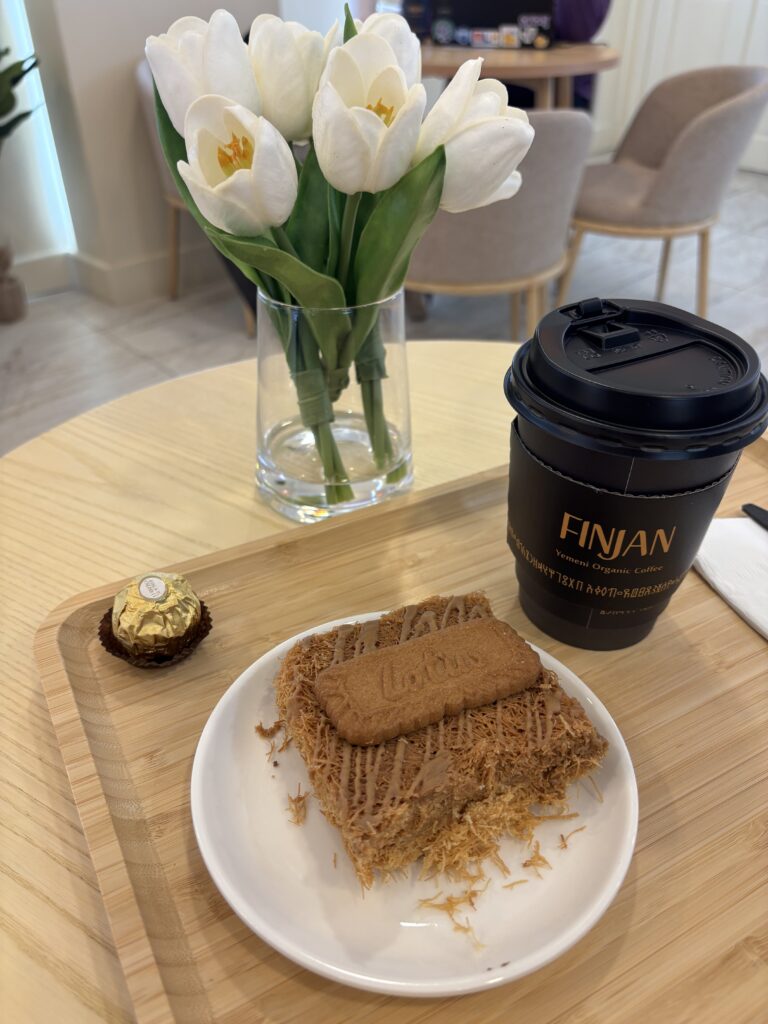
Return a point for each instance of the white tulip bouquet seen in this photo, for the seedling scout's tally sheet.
(308, 162)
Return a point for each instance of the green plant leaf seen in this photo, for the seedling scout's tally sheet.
(13, 74)
(8, 126)
(308, 227)
(350, 29)
(309, 287)
(7, 102)
(335, 206)
(399, 219)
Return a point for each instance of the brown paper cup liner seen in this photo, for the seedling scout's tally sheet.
(180, 649)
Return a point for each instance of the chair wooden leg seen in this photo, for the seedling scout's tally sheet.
(544, 302)
(514, 310)
(703, 276)
(573, 252)
(662, 279)
(174, 224)
(532, 313)
(250, 320)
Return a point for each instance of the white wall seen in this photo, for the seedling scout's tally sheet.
(88, 51)
(659, 38)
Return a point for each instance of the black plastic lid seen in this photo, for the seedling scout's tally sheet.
(628, 376)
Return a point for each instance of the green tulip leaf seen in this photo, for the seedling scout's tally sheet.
(307, 227)
(399, 219)
(335, 207)
(309, 287)
(350, 29)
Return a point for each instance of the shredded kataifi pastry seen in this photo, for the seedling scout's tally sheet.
(447, 792)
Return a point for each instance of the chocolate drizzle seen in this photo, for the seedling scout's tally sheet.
(357, 776)
(341, 642)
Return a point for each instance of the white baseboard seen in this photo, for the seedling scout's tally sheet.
(135, 280)
(40, 274)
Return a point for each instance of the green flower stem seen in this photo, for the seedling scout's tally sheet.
(337, 487)
(373, 409)
(347, 237)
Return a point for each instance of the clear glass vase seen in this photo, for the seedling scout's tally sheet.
(333, 413)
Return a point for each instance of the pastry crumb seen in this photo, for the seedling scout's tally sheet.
(520, 881)
(268, 731)
(564, 838)
(297, 806)
(537, 859)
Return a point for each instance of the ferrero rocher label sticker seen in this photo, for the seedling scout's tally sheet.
(153, 611)
(153, 588)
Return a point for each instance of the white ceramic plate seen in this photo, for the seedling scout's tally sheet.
(280, 879)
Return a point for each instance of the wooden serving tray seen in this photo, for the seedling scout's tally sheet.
(685, 931)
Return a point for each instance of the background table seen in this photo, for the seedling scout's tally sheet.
(150, 479)
(549, 73)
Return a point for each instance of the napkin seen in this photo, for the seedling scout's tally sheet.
(733, 559)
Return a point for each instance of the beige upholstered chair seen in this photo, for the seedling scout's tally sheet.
(671, 170)
(514, 246)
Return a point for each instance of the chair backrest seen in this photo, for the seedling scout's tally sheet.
(519, 237)
(704, 154)
(146, 86)
(675, 103)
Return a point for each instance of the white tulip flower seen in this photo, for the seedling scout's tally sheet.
(195, 58)
(241, 172)
(484, 139)
(287, 60)
(365, 119)
(405, 44)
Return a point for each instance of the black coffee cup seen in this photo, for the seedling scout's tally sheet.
(631, 418)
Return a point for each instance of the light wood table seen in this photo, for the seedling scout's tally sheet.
(165, 475)
(549, 73)
(153, 478)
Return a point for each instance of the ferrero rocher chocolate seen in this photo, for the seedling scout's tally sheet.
(155, 614)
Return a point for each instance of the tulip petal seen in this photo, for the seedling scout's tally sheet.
(371, 54)
(489, 100)
(222, 213)
(341, 150)
(176, 83)
(508, 188)
(333, 38)
(447, 113)
(480, 159)
(398, 142)
(274, 173)
(404, 43)
(225, 62)
(280, 75)
(343, 73)
(388, 87)
(183, 25)
(372, 130)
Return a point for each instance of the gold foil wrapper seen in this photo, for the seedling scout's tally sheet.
(154, 612)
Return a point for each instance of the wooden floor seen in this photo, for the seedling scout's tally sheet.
(73, 352)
